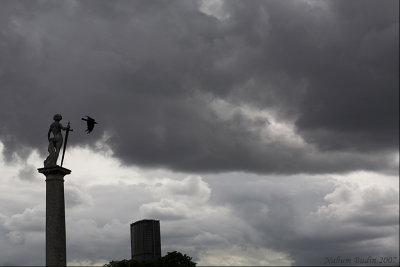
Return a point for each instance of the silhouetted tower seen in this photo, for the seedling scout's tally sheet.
(145, 239)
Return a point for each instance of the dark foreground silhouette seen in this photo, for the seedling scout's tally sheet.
(172, 259)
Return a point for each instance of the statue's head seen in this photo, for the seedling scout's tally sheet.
(57, 117)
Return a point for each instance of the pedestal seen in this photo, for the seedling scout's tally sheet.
(55, 215)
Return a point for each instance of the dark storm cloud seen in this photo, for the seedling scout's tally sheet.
(149, 73)
(347, 56)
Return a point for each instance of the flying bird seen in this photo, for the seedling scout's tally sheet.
(90, 123)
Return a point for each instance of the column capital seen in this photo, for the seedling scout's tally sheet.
(54, 170)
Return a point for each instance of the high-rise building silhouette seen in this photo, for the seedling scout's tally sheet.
(145, 239)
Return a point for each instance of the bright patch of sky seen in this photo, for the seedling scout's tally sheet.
(214, 8)
(103, 197)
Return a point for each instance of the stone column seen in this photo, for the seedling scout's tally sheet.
(55, 215)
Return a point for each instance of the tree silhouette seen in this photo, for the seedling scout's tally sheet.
(172, 259)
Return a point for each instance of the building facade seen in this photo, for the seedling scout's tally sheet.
(145, 239)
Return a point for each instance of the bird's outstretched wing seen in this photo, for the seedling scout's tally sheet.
(90, 123)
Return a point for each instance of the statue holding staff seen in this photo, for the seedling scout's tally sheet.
(56, 141)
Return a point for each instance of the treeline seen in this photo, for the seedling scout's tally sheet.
(172, 259)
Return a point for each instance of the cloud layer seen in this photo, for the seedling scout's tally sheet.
(323, 74)
(232, 218)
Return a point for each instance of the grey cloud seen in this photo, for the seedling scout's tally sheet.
(178, 199)
(129, 197)
(305, 218)
(75, 196)
(311, 220)
(348, 63)
(20, 233)
(149, 71)
(163, 210)
(379, 210)
(91, 243)
(29, 220)
(27, 173)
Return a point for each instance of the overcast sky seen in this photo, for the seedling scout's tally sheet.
(257, 132)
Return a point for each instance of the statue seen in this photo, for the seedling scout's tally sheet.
(56, 141)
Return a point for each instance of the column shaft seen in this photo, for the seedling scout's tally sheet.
(55, 216)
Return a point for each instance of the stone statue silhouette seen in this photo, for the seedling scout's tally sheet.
(56, 141)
